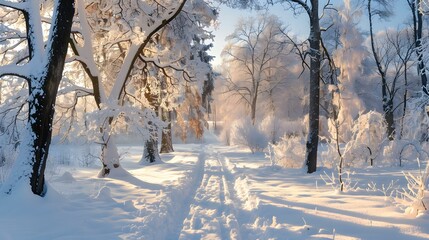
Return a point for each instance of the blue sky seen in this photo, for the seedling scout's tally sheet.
(297, 24)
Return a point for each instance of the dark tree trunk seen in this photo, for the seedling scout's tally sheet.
(387, 101)
(253, 107)
(150, 153)
(254, 100)
(404, 109)
(388, 116)
(313, 130)
(208, 88)
(418, 30)
(43, 92)
(166, 139)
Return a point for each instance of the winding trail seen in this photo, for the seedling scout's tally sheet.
(212, 213)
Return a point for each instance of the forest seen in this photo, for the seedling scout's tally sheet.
(118, 122)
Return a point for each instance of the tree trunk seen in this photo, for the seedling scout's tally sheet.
(390, 122)
(166, 141)
(253, 104)
(387, 103)
(150, 152)
(43, 91)
(109, 154)
(418, 29)
(404, 109)
(313, 121)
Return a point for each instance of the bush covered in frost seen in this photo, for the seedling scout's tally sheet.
(369, 135)
(244, 133)
(272, 128)
(414, 196)
(289, 152)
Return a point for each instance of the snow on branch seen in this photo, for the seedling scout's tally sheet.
(34, 31)
(135, 50)
(155, 61)
(92, 68)
(80, 91)
(21, 6)
(15, 70)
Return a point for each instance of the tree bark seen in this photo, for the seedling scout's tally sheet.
(418, 29)
(404, 109)
(43, 91)
(166, 139)
(150, 152)
(313, 130)
(109, 152)
(386, 100)
(253, 106)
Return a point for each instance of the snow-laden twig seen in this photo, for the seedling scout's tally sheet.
(413, 197)
(387, 190)
(347, 183)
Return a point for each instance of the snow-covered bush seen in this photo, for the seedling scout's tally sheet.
(271, 127)
(289, 152)
(402, 151)
(369, 135)
(88, 156)
(329, 157)
(346, 184)
(412, 138)
(416, 122)
(297, 128)
(414, 197)
(246, 134)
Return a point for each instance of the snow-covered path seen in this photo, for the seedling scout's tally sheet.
(212, 213)
(206, 191)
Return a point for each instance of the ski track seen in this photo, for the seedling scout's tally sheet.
(212, 213)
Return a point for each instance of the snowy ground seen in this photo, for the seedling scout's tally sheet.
(207, 191)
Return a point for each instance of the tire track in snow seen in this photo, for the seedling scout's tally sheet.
(212, 214)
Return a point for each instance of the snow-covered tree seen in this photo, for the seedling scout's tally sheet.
(417, 12)
(42, 68)
(348, 55)
(122, 43)
(109, 39)
(311, 8)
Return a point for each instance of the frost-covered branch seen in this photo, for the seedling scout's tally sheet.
(20, 6)
(15, 70)
(135, 50)
(301, 3)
